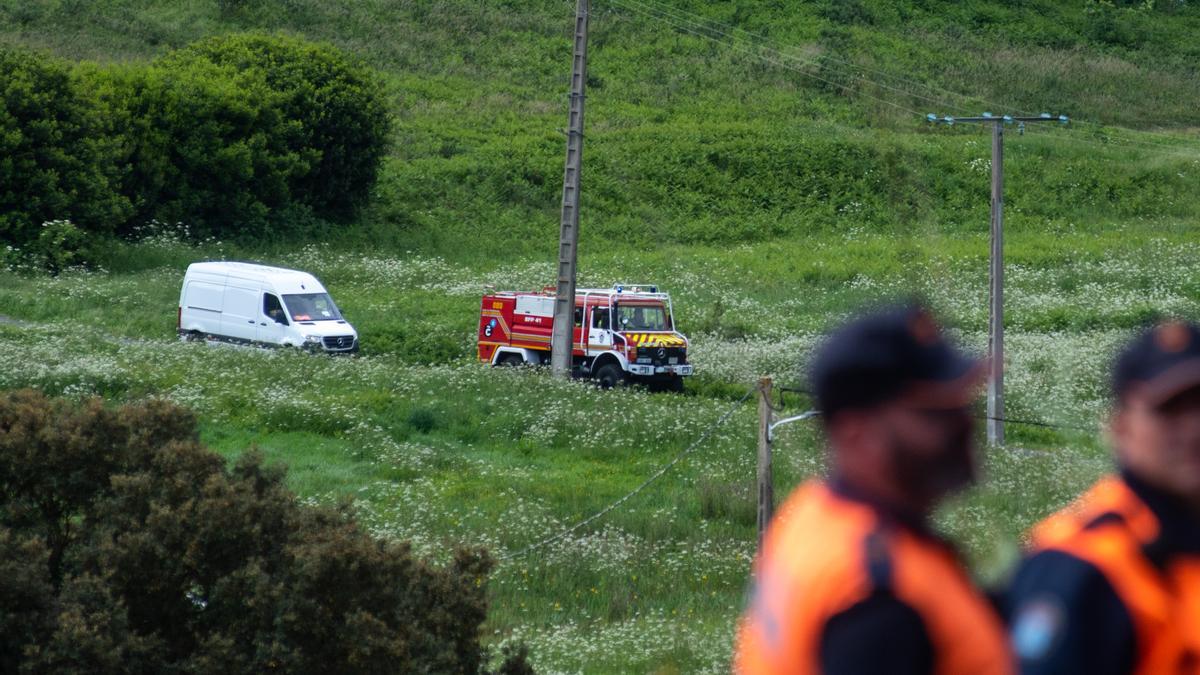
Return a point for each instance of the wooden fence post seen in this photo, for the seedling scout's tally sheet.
(766, 490)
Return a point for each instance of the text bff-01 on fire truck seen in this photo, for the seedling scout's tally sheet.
(620, 333)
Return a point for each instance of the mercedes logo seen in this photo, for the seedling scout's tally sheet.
(662, 353)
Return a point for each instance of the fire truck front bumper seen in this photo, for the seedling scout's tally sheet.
(681, 370)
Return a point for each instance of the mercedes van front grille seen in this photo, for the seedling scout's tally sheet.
(339, 342)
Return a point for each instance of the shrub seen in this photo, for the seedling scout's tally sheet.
(127, 546)
(60, 245)
(208, 145)
(335, 101)
(246, 135)
(57, 157)
(422, 420)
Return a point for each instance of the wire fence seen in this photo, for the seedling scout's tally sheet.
(708, 432)
(1019, 421)
(645, 484)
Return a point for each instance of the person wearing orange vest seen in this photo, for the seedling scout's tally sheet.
(1112, 582)
(851, 579)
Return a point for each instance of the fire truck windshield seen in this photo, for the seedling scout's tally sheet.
(643, 317)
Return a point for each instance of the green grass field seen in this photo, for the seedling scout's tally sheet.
(441, 451)
(772, 186)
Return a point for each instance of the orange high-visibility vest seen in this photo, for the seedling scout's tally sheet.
(825, 553)
(1109, 527)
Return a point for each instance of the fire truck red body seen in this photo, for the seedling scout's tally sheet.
(621, 333)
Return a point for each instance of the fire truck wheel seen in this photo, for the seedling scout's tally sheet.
(610, 375)
(510, 360)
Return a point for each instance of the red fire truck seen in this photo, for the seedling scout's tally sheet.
(621, 333)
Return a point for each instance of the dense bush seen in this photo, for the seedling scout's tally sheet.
(208, 146)
(126, 546)
(57, 157)
(246, 136)
(337, 105)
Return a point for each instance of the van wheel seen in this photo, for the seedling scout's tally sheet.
(191, 336)
(511, 361)
(610, 375)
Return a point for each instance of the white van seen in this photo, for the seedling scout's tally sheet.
(257, 304)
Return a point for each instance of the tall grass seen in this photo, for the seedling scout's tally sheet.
(769, 204)
(439, 451)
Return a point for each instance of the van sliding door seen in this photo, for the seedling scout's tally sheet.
(240, 317)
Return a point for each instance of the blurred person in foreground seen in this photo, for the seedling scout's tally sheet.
(851, 579)
(1112, 583)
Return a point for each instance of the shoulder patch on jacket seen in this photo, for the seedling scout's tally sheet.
(1037, 627)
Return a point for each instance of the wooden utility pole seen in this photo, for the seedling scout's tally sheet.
(562, 338)
(766, 485)
(995, 393)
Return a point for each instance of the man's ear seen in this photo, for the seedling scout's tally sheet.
(847, 429)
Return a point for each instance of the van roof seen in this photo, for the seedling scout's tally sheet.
(284, 279)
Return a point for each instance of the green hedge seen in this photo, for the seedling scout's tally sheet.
(207, 146)
(245, 136)
(338, 108)
(58, 156)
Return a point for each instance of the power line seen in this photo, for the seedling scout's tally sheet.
(730, 30)
(701, 27)
(712, 25)
(749, 52)
(653, 477)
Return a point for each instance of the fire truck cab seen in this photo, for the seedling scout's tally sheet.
(622, 333)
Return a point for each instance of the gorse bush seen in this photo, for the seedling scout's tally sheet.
(126, 546)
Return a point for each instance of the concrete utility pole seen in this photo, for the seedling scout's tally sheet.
(995, 395)
(562, 339)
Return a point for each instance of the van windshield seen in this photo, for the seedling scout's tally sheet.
(312, 307)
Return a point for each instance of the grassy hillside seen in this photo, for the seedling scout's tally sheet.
(734, 122)
(765, 162)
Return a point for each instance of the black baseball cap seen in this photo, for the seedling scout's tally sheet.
(889, 353)
(1159, 364)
